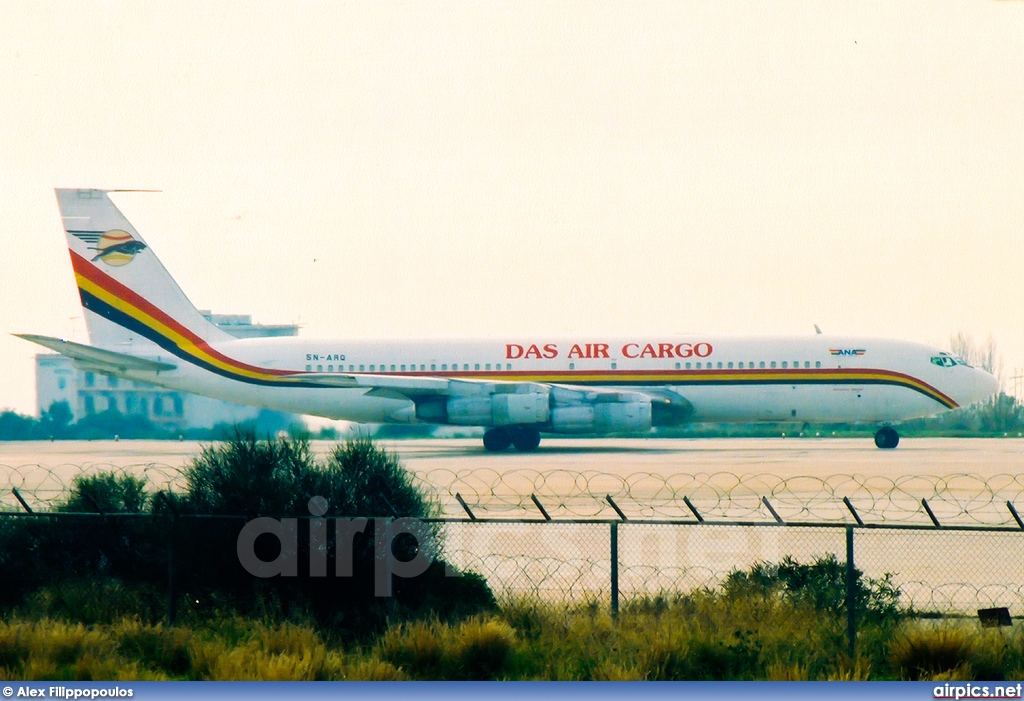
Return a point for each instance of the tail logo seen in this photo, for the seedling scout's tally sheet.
(117, 248)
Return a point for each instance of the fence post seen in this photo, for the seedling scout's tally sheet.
(171, 612)
(615, 569)
(851, 583)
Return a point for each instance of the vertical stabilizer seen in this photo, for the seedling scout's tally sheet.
(127, 294)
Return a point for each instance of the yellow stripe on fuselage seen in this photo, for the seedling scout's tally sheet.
(182, 342)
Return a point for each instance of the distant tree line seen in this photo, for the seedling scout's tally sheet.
(57, 423)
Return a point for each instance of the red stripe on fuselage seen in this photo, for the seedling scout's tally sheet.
(127, 295)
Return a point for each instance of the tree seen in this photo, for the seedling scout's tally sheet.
(984, 356)
(54, 422)
(1000, 413)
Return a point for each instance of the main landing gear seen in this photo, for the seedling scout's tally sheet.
(887, 438)
(499, 439)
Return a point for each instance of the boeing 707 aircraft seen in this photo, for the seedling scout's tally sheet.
(143, 328)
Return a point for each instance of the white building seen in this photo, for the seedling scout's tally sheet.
(58, 380)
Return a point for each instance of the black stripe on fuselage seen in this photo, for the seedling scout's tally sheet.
(98, 306)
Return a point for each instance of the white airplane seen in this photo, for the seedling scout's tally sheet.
(142, 327)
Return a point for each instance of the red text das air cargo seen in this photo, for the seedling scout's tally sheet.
(548, 351)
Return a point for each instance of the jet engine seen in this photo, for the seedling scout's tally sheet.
(611, 412)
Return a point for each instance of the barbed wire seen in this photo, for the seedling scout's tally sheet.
(958, 499)
(955, 499)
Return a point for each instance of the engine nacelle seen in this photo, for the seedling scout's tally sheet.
(526, 408)
(504, 405)
(625, 412)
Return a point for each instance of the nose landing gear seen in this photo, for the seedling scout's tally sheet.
(887, 438)
(497, 440)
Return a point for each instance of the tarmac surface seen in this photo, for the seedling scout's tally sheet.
(968, 479)
(785, 457)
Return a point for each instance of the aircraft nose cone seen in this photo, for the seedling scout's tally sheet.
(984, 386)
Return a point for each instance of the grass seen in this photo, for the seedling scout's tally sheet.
(705, 635)
(784, 621)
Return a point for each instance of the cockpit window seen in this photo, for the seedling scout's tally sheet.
(947, 361)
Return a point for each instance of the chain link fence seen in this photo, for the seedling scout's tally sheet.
(951, 545)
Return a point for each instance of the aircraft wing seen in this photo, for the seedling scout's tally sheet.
(412, 386)
(422, 387)
(97, 358)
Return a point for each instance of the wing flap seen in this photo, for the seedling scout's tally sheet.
(417, 386)
(98, 358)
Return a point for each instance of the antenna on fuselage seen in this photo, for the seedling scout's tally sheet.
(817, 330)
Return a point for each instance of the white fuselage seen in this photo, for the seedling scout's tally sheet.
(725, 379)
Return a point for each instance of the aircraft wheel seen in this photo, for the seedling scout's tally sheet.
(887, 438)
(497, 439)
(526, 439)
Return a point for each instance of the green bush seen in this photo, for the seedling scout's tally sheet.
(822, 584)
(107, 493)
(251, 477)
(227, 485)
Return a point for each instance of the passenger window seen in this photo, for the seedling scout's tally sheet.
(614, 365)
(785, 364)
(465, 366)
(319, 368)
(807, 363)
(309, 368)
(773, 363)
(719, 366)
(817, 363)
(572, 366)
(444, 366)
(361, 368)
(330, 368)
(433, 367)
(687, 366)
(508, 366)
(762, 363)
(678, 365)
(741, 365)
(351, 368)
(403, 368)
(698, 366)
(730, 366)
(476, 366)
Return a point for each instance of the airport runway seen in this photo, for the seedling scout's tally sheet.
(784, 457)
(805, 477)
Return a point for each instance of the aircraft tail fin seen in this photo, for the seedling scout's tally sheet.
(127, 295)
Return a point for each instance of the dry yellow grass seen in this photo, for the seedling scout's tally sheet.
(703, 636)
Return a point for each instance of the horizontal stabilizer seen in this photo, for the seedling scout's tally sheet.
(96, 357)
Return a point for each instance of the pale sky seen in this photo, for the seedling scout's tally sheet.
(483, 169)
